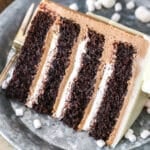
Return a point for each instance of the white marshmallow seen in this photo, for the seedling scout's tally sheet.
(37, 124)
(98, 4)
(19, 112)
(100, 143)
(130, 135)
(127, 135)
(142, 14)
(74, 6)
(132, 138)
(115, 17)
(147, 104)
(130, 5)
(108, 3)
(146, 86)
(129, 132)
(145, 134)
(4, 84)
(90, 5)
(148, 110)
(118, 7)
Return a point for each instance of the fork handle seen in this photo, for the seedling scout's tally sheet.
(7, 68)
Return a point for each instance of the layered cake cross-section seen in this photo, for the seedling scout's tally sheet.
(85, 72)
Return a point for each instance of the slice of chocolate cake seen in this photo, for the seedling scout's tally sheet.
(82, 80)
(28, 62)
(54, 69)
(114, 94)
(85, 72)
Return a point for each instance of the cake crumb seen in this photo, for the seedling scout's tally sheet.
(108, 3)
(37, 124)
(118, 7)
(145, 134)
(130, 5)
(116, 17)
(100, 143)
(143, 15)
(148, 110)
(19, 112)
(74, 6)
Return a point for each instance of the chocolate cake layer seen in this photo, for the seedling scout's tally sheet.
(83, 87)
(116, 91)
(31, 52)
(69, 32)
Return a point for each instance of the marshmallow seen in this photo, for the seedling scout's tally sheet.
(37, 124)
(132, 138)
(144, 134)
(118, 7)
(130, 135)
(100, 143)
(146, 86)
(90, 5)
(108, 3)
(147, 104)
(130, 5)
(98, 4)
(129, 132)
(148, 110)
(19, 112)
(4, 84)
(142, 14)
(74, 6)
(115, 17)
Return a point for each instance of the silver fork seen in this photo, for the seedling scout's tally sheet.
(18, 42)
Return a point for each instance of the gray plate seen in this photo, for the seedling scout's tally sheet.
(54, 135)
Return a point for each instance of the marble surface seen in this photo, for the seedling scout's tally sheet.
(20, 131)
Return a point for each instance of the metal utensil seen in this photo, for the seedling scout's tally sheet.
(18, 42)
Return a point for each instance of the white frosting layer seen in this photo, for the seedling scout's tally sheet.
(99, 96)
(146, 82)
(33, 98)
(136, 102)
(65, 96)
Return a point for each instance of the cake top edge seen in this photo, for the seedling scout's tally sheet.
(50, 5)
(119, 25)
(111, 30)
